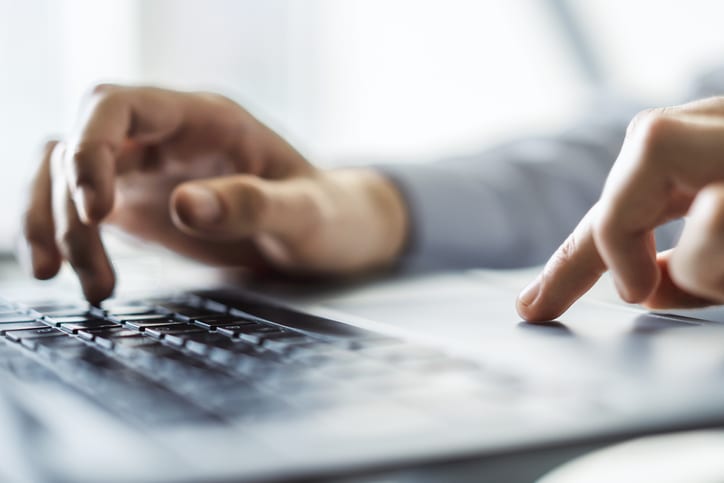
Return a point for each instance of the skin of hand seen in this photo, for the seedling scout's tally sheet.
(671, 165)
(199, 175)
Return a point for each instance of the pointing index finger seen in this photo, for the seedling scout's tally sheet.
(570, 272)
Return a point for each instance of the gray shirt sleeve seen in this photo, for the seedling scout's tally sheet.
(509, 206)
(512, 205)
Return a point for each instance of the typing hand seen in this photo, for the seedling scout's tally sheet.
(198, 174)
(671, 164)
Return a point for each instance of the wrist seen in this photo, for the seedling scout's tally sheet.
(381, 214)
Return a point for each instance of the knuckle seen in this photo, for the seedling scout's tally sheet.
(640, 118)
(104, 96)
(652, 130)
(98, 94)
(226, 111)
(49, 146)
(216, 99)
(107, 99)
(101, 89)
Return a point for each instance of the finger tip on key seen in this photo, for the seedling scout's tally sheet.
(96, 295)
(96, 286)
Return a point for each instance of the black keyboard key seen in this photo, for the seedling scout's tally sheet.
(213, 321)
(245, 315)
(282, 342)
(126, 310)
(12, 326)
(67, 319)
(139, 317)
(90, 324)
(187, 312)
(235, 329)
(46, 331)
(202, 343)
(86, 335)
(15, 317)
(129, 346)
(162, 331)
(257, 335)
(178, 340)
(60, 310)
(142, 322)
(104, 337)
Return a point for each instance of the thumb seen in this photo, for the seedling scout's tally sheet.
(241, 206)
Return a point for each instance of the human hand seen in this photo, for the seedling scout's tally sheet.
(199, 175)
(671, 164)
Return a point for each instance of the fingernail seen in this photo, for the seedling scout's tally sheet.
(205, 205)
(530, 293)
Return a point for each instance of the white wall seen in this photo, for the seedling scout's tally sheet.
(403, 78)
(652, 48)
(50, 53)
(28, 109)
(391, 79)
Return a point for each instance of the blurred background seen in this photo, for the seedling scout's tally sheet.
(363, 80)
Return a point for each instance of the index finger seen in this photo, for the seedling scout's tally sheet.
(114, 116)
(570, 273)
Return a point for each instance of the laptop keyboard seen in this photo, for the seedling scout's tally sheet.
(191, 359)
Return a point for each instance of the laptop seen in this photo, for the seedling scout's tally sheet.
(186, 377)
